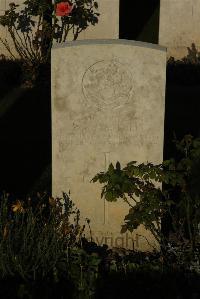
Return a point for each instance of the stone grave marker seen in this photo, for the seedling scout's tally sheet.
(108, 102)
(179, 26)
(108, 24)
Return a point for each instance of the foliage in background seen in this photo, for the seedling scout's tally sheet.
(33, 237)
(137, 185)
(40, 240)
(185, 71)
(36, 25)
(193, 56)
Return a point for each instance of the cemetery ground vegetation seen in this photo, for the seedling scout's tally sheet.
(139, 185)
(40, 249)
(44, 254)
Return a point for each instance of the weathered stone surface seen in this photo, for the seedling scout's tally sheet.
(179, 26)
(2, 5)
(107, 106)
(108, 25)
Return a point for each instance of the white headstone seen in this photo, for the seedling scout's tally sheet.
(2, 5)
(179, 25)
(108, 24)
(108, 101)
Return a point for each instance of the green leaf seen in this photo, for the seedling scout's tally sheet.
(109, 196)
(95, 5)
(123, 229)
(118, 166)
(170, 202)
(111, 168)
(196, 143)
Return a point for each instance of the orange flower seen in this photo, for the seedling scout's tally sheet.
(63, 9)
(18, 207)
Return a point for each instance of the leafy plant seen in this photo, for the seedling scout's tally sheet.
(193, 56)
(43, 254)
(33, 28)
(33, 239)
(139, 185)
(41, 241)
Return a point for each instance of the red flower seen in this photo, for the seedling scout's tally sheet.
(63, 9)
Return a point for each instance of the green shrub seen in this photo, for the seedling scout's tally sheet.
(33, 240)
(136, 185)
(40, 242)
(34, 27)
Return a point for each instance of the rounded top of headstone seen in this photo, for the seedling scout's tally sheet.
(109, 42)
